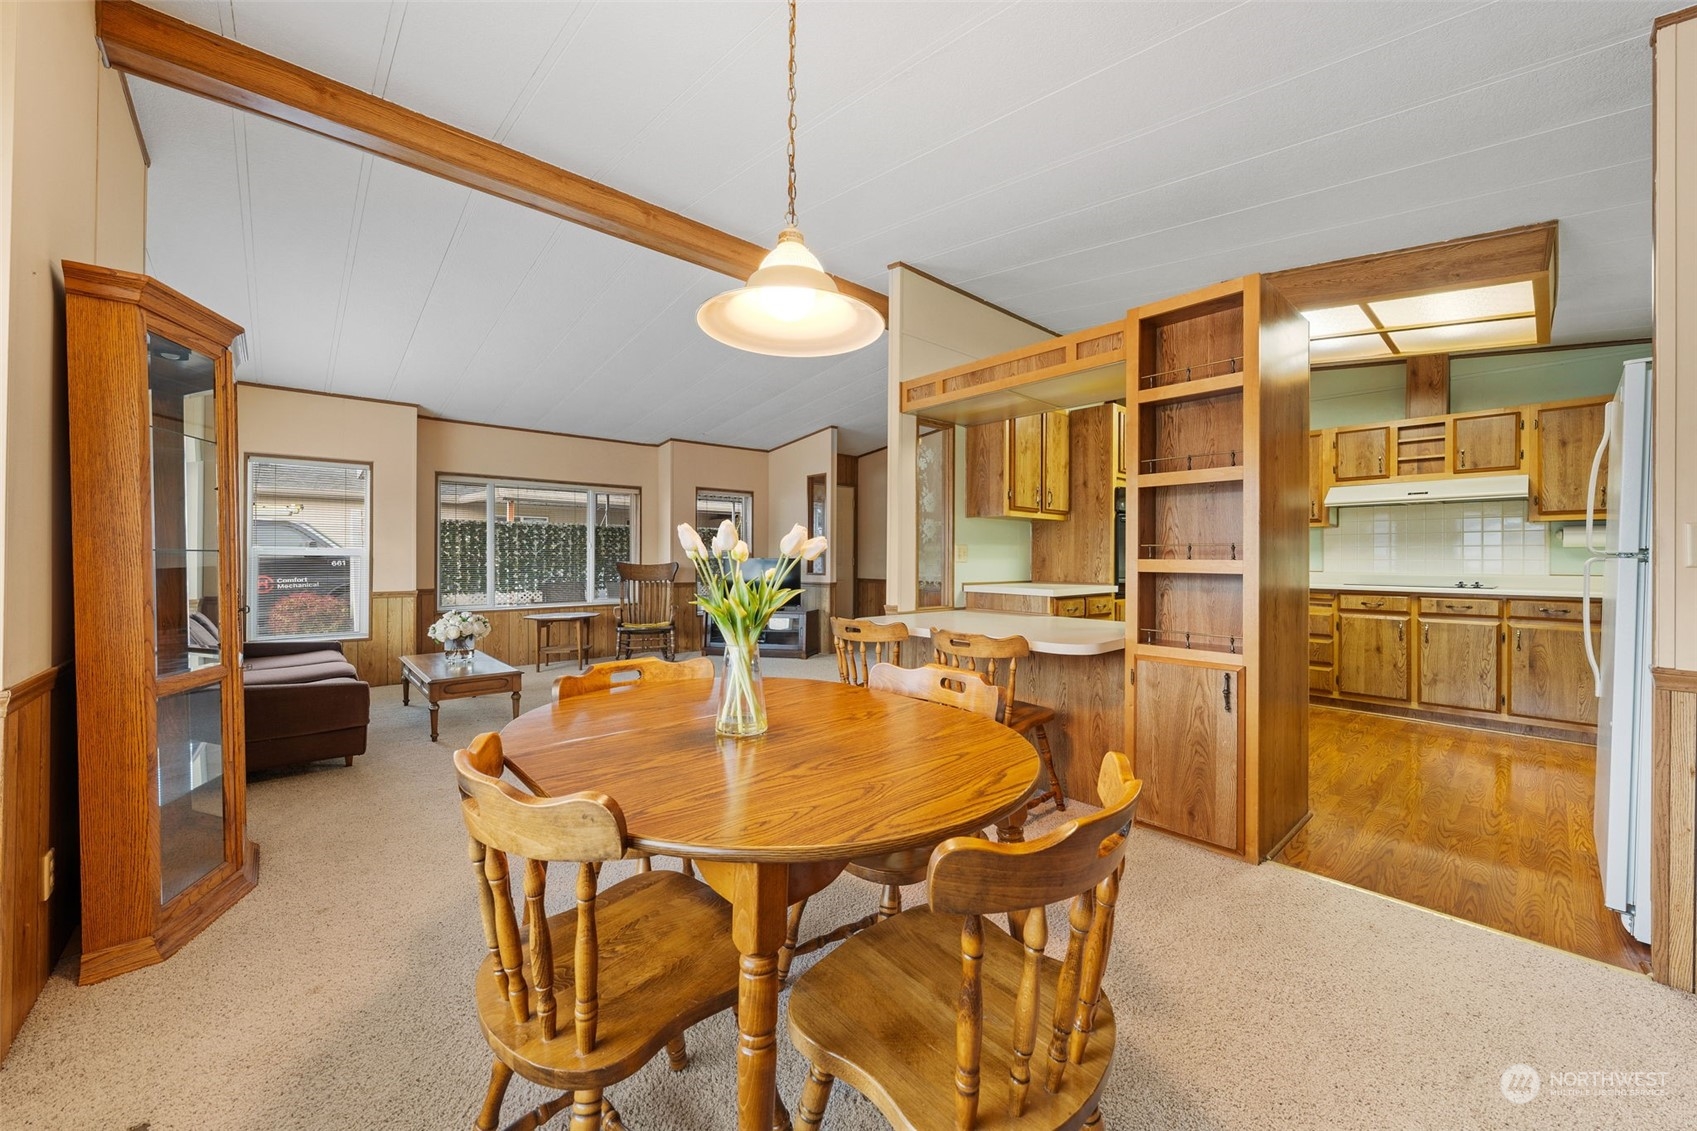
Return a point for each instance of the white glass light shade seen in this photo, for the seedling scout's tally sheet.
(1331, 321)
(1468, 336)
(790, 308)
(1472, 304)
(1357, 348)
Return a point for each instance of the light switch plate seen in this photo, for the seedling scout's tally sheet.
(960, 553)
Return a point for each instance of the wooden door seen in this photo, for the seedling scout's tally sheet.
(1057, 462)
(1489, 443)
(1372, 654)
(1567, 439)
(1548, 675)
(1188, 748)
(1319, 468)
(1361, 453)
(1025, 463)
(1460, 663)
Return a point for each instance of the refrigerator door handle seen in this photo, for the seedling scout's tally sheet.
(1591, 546)
(1585, 621)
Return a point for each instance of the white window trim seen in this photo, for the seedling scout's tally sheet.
(359, 579)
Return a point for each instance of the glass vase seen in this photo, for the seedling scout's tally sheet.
(460, 650)
(742, 695)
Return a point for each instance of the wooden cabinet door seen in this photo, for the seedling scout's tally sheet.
(1548, 675)
(1488, 443)
(1057, 463)
(1361, 454)
(1373, 655)
(1567, 439)
(987, 450)
(1187, 748)
(1319, 477)
(1119, 442)
(1459, 663)
(1025, 463)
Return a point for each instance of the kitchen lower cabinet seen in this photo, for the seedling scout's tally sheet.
(1460, 663)
(1372, 654)
(1189, 742)
(1548, 674)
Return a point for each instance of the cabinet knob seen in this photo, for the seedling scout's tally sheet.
(1462, 456)
(1226, 691)
(1425, 634)
(1517, 647)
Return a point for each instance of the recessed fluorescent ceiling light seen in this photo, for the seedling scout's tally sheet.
(1467, 336)
(1357, 348)
(1335, 320)
(1470, 305)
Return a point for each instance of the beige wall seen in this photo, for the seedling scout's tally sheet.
(446, 446)
(787, 470)
(283, 422)
(871, 533)
(73, 169)
(933, 327)
(1674, 550)
(683, 468)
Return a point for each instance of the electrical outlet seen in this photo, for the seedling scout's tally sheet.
(47, 875)
(960, 553)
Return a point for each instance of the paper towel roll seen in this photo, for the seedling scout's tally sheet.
(1573, 537)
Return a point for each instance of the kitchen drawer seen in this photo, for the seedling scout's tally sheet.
(1100, 605)
(1375, 602)
(1461, 606)
(1319, 597)
(1067, 607)
(1320, 651)
(1549, 609)
(1320, 680)
(1320, 622)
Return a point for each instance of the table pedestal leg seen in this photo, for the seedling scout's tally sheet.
(758, 929)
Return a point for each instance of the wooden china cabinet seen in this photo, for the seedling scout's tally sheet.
(161, 768)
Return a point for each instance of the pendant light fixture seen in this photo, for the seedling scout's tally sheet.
(790, 307)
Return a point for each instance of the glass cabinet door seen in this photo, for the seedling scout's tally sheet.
(184, 444)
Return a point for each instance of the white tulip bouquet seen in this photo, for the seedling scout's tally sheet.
(741, 607)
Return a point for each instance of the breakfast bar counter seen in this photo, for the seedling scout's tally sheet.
(1077, 667)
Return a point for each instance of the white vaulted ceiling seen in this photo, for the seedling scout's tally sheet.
(1065, 160)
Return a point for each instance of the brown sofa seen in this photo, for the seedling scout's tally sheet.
(304, 703)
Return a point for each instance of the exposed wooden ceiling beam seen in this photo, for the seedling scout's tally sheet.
(151, 45)
(1473, 261)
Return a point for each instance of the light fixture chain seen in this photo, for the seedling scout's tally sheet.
(792, 219)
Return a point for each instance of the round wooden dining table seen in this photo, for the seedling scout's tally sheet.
(842, 773)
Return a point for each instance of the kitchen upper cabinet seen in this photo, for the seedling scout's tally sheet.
(1564, 442)
(1189, 745)
(1460, 663)
(1548, 674)
(1361, 453)
(1487, 443)
(1019, 468)
(1319, 478)
(1119, 445)
(1372, 652)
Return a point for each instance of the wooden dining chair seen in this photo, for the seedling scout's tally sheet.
(643, 960)
(647, 610)
(862, 643)
(619, 673)
(893, 871)
(958, 1004)
(997, 660)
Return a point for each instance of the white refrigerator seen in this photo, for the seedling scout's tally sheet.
(1621, 666)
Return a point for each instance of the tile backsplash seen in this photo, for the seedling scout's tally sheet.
(1441, 540)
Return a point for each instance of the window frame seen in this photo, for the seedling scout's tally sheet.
(250, 597)
(490, 483)
(743, 527)
(948, 431)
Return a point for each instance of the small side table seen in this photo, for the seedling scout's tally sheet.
(438, 680)
(545, 646)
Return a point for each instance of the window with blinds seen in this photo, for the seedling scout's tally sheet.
(308, 549)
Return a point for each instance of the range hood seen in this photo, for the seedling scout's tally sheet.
(1458, 489)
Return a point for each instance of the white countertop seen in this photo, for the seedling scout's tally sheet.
(1500, 586)
(1037, 589)
(1055, 636)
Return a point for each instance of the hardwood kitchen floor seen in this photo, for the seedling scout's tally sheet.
(1492, 828)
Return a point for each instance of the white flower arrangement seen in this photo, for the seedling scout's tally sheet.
(457, 625)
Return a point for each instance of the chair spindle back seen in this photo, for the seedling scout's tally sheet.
(861, 644)
(994, 658)
(1082, 860)
(645, 593)
(586, 828)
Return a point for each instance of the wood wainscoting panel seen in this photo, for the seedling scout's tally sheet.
(1673, 830)
(394, 633)
(37, 812)
(869, 596)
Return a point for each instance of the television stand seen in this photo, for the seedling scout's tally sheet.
(792, 633)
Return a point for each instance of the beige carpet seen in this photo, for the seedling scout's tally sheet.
(336, 994)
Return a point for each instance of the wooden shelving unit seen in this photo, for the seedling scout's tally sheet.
(1217, 597)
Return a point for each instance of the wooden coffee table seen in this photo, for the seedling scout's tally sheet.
(433, 675)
